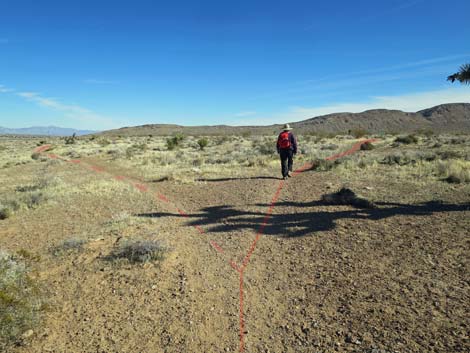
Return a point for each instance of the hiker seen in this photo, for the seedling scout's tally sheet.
(287, 148)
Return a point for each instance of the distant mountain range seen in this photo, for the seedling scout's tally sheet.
(44, 131)
(453, 117)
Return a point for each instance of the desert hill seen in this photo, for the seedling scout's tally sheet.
(454, 117)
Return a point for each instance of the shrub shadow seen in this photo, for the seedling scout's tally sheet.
(302, 223)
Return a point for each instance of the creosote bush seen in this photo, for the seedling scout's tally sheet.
(21, 300)
(203, 142)
(5, 212)
(35, 156)
(408, 139)
(367, 146)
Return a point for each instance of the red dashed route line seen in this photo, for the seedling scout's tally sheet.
(239, 268)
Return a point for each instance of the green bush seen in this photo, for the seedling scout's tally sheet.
(203, 142)
(104, 142)
(367, 146)
(358, 133)
(5, 213)
(36, 156)
(408, 139)
(21, 300)
(70, 140)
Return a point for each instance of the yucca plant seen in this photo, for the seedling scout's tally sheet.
(463, 76)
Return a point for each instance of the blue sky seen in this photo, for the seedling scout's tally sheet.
(103, 64)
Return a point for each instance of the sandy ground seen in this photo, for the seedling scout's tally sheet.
(321, 278)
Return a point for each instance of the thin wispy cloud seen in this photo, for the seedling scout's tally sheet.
(94, 81)
(70, 111)
(4, 89)
(365, 77)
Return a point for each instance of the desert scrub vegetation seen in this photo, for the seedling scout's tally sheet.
(454, 171)
(367, 146)
(21, 300)
(138, 251)
(407, 139)
(203, 142)
(68, 246)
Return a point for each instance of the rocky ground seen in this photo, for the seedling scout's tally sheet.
(322, 278)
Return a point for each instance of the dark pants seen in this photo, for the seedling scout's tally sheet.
(286, 161)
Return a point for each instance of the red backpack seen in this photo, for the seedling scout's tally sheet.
(284, 140)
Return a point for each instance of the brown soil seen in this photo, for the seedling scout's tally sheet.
(322, 278)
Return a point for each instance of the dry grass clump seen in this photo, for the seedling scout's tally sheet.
(21, 300)
(68, 246)
(346, 196)
(454, 171)
(138, 251)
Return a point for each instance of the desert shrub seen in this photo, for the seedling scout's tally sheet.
(21, 300)
(444, 155)
(5, 212)
(221, 140)
(358, 133)
(140, 147)
(104, 142)
(454, 171)
(323, 165)
(367, 146)
(399, 159)
(329, 147)
(34, 199)
(138, 251)
(130, 152)
(70, 140)
(407, 139)
(3, 148)
(246, 134)
(346, 196)
(203, 142)
(457, 140)
(36, 155)
(68, 245)
(425, 132)
(171, 143)
(267, 147)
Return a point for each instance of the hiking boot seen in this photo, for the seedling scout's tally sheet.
(285, 178)
(289, 175)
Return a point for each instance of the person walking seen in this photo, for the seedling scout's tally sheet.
(287, 148)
